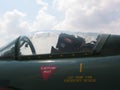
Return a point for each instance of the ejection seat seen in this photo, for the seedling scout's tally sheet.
(68, 43)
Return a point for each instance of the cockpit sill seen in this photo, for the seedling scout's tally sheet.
(55, 56)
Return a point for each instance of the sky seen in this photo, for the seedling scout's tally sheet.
(19, 17)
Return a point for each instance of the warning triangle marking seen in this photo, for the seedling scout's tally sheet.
(47, 71)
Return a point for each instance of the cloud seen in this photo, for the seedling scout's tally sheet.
(42, 3)
(78, 15)
(44, 20)
(89, 15)
(12, 24)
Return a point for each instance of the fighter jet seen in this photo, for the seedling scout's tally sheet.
(61, 61)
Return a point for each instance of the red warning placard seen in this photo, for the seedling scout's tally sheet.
(47, 71)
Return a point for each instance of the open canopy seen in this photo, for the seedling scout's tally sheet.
(53, 45)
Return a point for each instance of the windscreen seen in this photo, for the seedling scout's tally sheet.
(8, 51)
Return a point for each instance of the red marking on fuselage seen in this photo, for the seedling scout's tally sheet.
(47, 71)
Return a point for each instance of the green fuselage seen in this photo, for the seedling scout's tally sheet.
(93, 73)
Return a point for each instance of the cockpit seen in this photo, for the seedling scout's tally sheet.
(44, 45)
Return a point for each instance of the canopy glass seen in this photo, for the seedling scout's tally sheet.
(50, 43)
